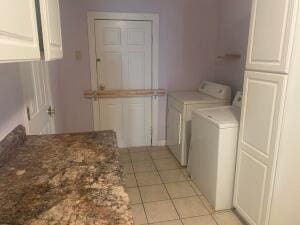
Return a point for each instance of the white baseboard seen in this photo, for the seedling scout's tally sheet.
(161, 143)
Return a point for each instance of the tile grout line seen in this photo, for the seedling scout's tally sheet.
(187, 180)
(139, 190)
(167, 192)
(199, 196)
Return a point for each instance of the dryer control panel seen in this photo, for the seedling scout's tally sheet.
(215, 90)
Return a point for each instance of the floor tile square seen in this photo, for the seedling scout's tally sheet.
(190, 207)
(173, 222)
(180, 189)
(143, 166)
(148, 178)
(130, 180)
(121, 150)
(138, 214)
(171, 176)
(127, 168)
(166, 164)
(208, 206)
(161, 154)
(158, 148)
(124, 157)
(134, 195)
(196, 189)
(138, 149)
(227, 218)
(140, 156)
(185, 173)
(154, 193)
(201, 220)
(160, 211)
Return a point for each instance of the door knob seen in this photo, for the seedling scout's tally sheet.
(51, 111)
(101, 87)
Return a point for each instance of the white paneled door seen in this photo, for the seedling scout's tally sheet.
(258, 144)
(37, 97)
(124, 61)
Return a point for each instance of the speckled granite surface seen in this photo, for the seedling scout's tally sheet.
(62, 179)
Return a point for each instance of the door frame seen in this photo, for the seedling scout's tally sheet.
(154, 19)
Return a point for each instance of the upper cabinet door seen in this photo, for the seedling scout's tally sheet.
(271, 35)
(18, 31)
(51, 29)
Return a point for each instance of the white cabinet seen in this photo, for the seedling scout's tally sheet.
(271, 35)
(51, 29)
(267, 186)
(18, 31)
(258, 143)
(29, 27)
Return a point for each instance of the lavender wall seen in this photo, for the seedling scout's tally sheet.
(234, 19)
(11, 101)
(188, 36)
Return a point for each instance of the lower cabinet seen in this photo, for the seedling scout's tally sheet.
(261, 119)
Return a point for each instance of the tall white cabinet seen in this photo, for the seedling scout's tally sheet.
(30, 30)
(267, 187)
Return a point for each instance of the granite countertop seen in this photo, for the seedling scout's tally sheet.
(62, 179)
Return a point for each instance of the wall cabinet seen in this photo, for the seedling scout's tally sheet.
(271, 36)
(18, 31)
(30, 30)
(51, 29)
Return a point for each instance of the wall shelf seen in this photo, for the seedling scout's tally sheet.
(124, 93)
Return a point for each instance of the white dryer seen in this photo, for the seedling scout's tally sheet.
(213, 149)
(179, 113)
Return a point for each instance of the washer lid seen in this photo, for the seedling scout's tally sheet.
(195, 97)
(223, 117)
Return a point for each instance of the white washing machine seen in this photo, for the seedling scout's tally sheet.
(213, 149)
(179, 112)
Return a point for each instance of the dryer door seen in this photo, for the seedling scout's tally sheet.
(174, 131)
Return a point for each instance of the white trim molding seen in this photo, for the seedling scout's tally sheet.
(154, 19)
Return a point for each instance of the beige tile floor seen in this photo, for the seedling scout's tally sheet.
(161, 192)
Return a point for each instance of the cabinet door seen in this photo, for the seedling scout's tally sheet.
(51, 27)
(18, 31)
(174, 131)
(258, 144)
(271, 35)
